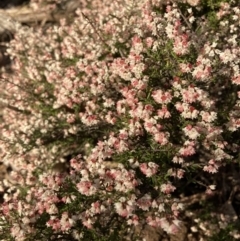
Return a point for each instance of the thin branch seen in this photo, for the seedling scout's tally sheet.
(196, 198)
(97, 32)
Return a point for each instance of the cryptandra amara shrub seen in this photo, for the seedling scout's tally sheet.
(134, 98)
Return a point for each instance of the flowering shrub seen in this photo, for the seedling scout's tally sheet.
(131, 101)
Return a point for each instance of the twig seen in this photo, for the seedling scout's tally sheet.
(27, 15)
(97, 32)
(196, 198)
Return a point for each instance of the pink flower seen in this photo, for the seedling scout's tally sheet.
(208, 116)
(86, 188)
(176, 207)
(149, 42)
(178, 172)
(149, 169)
(193, 2)
(210, 169)
(52, 209)
(17, 232)
(191, 94)
(145, 202)
(162, 97)
(188, 149)
(70, 118)
(177, 159)
(138, 84)
(191, 132)
(236, 80)
(54, 223)
(167, 188)
(66, 222)
(150, 125)
(181, 44)
(152, 222)
(87, 223)
(187, 111)
(185, 68)
(121, 210)
(161, 137)
(164, 113)
(172, 229)
(133, 220)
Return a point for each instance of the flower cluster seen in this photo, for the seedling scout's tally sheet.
(128, 99)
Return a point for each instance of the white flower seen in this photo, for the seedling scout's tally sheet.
(212, 187)
(191, 19)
